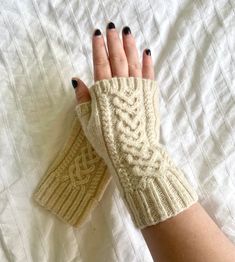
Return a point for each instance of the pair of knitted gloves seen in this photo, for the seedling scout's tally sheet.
(116, 135)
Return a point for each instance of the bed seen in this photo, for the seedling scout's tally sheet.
(42, 45)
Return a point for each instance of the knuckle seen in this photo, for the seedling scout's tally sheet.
(118, 59)
(101, 62)
(148, 66)
(82, 96)
(130, 44)
(134, 66)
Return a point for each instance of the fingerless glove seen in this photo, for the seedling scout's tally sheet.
(122, 124)
(75, 181)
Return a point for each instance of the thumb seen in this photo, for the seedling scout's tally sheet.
(81, 90)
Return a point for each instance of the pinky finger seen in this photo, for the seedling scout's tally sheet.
(147, 65)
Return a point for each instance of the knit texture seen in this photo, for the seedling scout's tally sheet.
(76, 180)
(122, 123)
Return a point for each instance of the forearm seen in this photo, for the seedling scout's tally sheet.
(190, 236)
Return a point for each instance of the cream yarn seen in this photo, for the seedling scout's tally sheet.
(76, 180)
(122, 124)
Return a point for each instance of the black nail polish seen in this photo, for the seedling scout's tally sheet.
(74, 83)
(97, 32)
(148, 52)
(126, 30)
(110, 25)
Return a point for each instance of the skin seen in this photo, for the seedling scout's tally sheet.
(191, 235)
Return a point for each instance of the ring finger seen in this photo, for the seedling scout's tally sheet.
(117, 56)
(134, 67)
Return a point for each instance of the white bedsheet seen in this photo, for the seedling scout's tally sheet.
(42, 45)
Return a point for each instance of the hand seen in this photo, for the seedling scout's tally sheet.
(181, 230)
(121, 122)
(120, 58)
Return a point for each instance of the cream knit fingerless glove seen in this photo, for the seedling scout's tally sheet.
(122, 124)
(75, 181)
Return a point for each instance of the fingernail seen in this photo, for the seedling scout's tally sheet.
(148, 52)
(110, 25)
(126, 30)
(97, 32)
(74, 83)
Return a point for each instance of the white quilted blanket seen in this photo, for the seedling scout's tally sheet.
(42, 45)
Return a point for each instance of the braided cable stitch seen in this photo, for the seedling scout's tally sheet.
(76, 180)
(123, 117)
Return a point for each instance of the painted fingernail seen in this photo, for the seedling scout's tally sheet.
(126, 30)
(97, 32)
(110, 25)
(148, 52)
(74, 83)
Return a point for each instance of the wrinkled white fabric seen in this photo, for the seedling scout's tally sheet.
(43, 44)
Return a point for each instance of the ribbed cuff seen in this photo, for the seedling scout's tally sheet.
(75, 182)
(71, 203)
(162, 198)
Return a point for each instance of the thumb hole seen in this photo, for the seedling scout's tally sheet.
(83, 111)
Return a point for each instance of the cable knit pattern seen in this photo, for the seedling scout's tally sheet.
(76, 180)
(122, 124)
